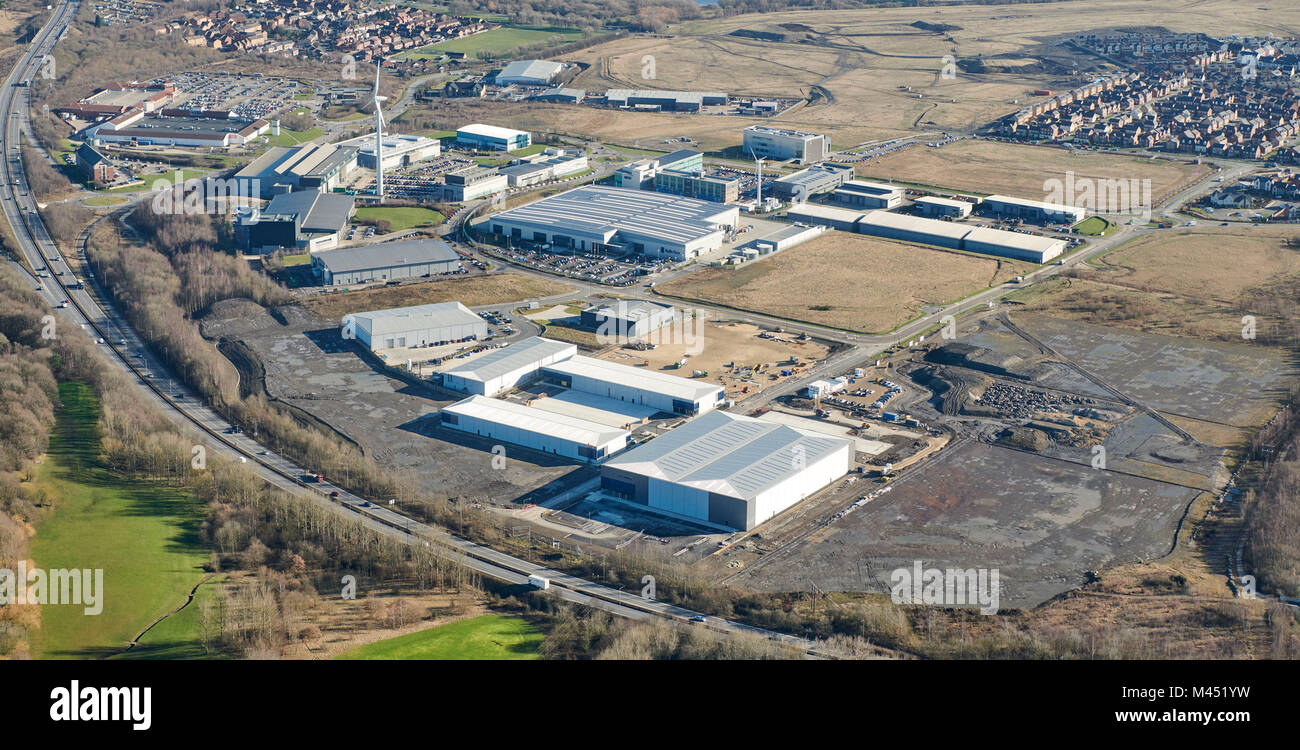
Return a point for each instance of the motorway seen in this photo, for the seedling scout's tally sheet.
(127, 352)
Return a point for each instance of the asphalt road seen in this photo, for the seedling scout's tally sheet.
(126, 351)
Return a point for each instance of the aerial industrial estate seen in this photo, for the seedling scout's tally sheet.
(722, 332)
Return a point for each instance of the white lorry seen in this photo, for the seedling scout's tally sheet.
(538, 582)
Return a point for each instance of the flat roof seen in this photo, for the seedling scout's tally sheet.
(316, 211)
(729, 454)
(508, 359)
(870, 188)
(635, 377)
(1017, 240)
(563, 426)
(1034, 204)
(629, 309)
(601, 210)
(818, 211)
(811, 175)
(594, 408)
(397, 144)
(945, 202)
(904, 222)
(769, 130)
(436, 315)
(490, 131)
(387, 255)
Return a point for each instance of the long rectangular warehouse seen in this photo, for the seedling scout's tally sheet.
(507, 367)
(952, 234)
(728, 469)
(620, 219)
(419, 325)
(667, 393)
(548, 432)
(386, 261)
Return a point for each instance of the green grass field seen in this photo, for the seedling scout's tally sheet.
(289, 137)
(301, 259)
(143, 535)
(496, 41)
(1093, 226)
(490, 637)
(402, 217)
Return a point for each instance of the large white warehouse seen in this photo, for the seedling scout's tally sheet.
(620, 219)
(420, 325)
(636, 385)
(507, 367)
(545, 431)
(728, 469)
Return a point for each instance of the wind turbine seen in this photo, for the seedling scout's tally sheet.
(379, 136)
(759, 200)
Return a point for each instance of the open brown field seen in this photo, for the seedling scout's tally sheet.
(994, 167)
(1220, 263)
(863, 57)
(721, 343)
(471, 291)
(1195, 282)
(867, 284)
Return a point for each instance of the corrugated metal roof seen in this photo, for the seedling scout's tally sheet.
(398, 319)
(508, 359)
(604, 211)
(522, 417)
(387, 255)
(542, 70)
(729, 454)
(636, 377)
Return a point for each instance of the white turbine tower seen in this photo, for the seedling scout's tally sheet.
(759, 200)
(379, 136)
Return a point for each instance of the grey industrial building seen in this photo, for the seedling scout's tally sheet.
(386, 261)
(627, 320)
(560, 95)
(864, 194)
(419, 325)
(802, 185)
(667, 393)
(312, 167)
(471, 183)
(1006, 206)
(654, 99)
(303, 219)
(934, 207)
(818, 215)
(620, 220)
(545, 431)
(728, 469)
(777, 143)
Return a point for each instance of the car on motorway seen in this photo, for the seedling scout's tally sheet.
(334, 493)
(699, 618)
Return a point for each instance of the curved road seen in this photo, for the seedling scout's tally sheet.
(126, 351)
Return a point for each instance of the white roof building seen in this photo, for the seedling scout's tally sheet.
(728, 469)
(668, 393)
(420, 325)
(545, 431)
(507, 367)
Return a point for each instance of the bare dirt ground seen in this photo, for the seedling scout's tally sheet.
(865, 283)
(471, 291)
(993, 167)
(1041, 522)
(720, 344)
